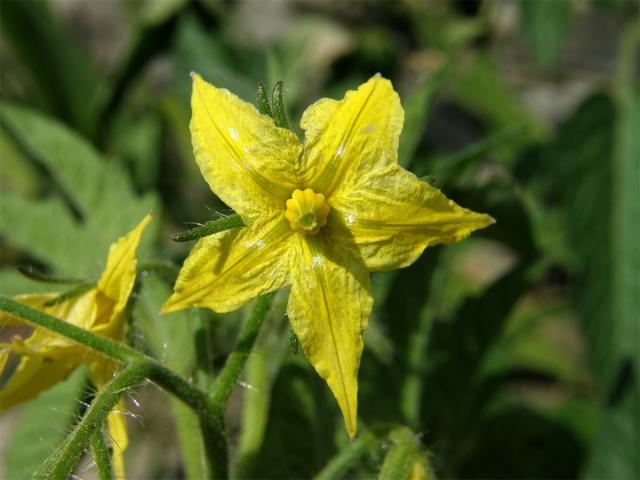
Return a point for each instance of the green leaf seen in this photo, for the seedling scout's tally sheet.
(614, 453)
(545, 25)
(416, 112)
(59, 72)
(479, 87)
(90, 187)
(43, 425)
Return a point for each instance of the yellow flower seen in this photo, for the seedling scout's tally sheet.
(48, 358)
(319, 216)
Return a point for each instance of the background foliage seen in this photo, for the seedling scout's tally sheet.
(513, 354)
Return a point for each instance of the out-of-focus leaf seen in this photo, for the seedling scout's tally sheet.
(601, 227)
(616, 451)
(61, 75)
(505, 446)
(153, 35)
(416, 112)
(137, 140)
(303, 422)
(198, 50)
(44, 423)
(15, 170)
(262, 368)
(537, 339)
(98, 191)
(545, 25)
(478, 86)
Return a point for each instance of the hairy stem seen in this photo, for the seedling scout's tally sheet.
(116, 350)
(101, 456)
(62, 461)
(209, 228)
(347, 458)
(234, 365)
(137, 368)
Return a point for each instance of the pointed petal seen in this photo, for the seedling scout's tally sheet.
(226, 270)
(34, 375)
(343, 138)
(117, 426)
(329, 306)
(119, 275)
(247, 161)
(394, 217)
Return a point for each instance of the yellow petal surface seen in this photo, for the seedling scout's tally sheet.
(36, 300)
(34, 375)
(226, 270)
(328, 308)
(119, 274)
(81, 311)
(117, 427)
(344, 138)
(394, 217)
(247, 161)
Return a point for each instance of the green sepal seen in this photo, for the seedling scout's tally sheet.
(209, 228)
(277, 106)
(264, 107)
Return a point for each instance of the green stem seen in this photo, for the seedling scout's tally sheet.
(402, 455)
(101, 455)
(209, 228)
(347, 458)
(116, 350)
(210, 415)
(234, 365)
(60, 463)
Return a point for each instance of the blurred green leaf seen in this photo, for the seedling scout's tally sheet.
(59, 72)
(545, 24)
(479, 87)
(416, 112)
(138, 141)
(44, 423)
(616, 451)
(70, 231)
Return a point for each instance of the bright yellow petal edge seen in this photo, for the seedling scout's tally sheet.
(380, 217)
(48, 358)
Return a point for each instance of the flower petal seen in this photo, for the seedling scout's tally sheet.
(226, 270)
(34, 375)
(119, 275)
(247, 161)
(35, 300)
(343, 138)
(329, 306)
(395, 217)
(81, 311)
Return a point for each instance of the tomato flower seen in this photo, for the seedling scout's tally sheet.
(319, 216)
(48, 358)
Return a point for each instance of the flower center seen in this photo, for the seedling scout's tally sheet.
(307, 211)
